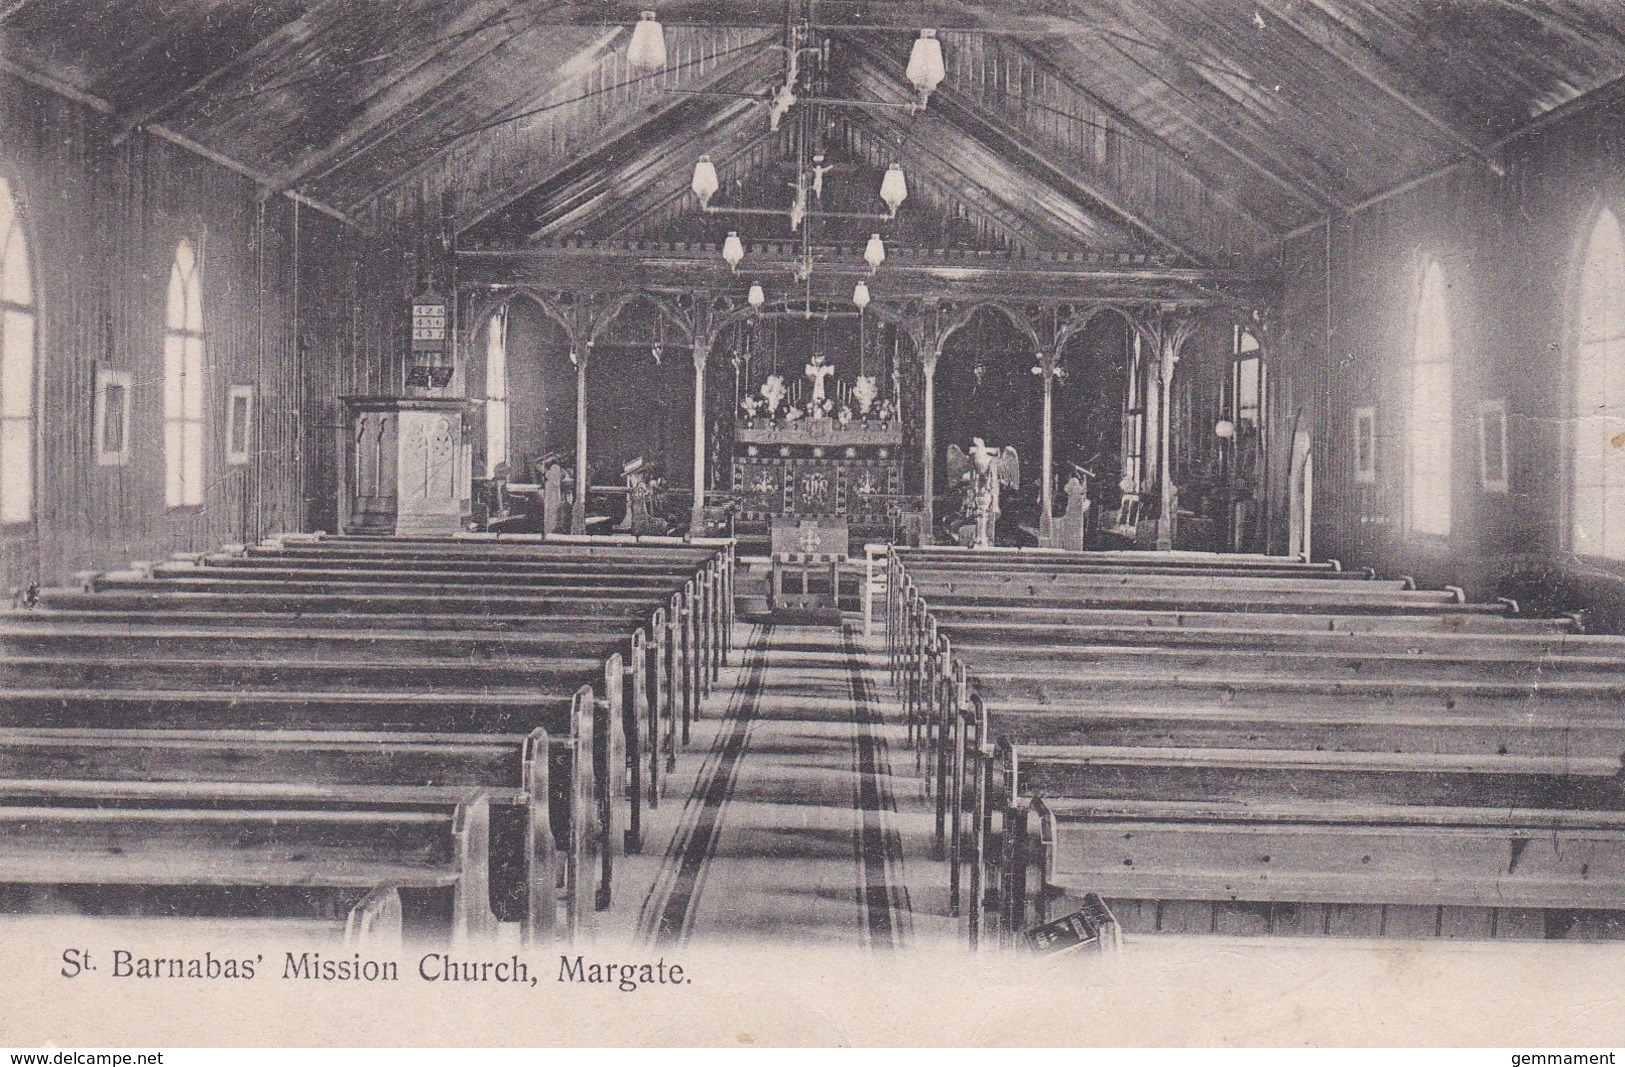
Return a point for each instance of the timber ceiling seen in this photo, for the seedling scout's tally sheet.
(1197, 131)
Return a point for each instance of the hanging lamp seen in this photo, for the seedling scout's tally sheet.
(925, 67)
(875, 253)
(733, 249)
(647, 51)
(705, 183)
(894, 188)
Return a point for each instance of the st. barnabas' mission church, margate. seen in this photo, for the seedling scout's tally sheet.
(1068, 476)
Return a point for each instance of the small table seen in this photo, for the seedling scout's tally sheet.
(802, 546)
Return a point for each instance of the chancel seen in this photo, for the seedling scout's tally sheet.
(957, 474)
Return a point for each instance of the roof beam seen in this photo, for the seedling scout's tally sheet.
(414, 83)
(54, 84)
(907, 273)
(660, 195)
(291, 33)
(734, 74)
(1042, 18)
(993, 130)
(631, 166)
(1198, 94)
(1556, 22)
(1326, 38)
(1215, 186)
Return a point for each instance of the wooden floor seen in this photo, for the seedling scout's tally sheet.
(803, 819)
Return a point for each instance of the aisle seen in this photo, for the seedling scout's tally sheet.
(805, 822)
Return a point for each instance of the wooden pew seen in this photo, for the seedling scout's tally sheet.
(1298, 857)
(709, 569)
(216, 667)
(707, 599)
(1029, 558)
(1257, 776)
(644, 703)
(970, 740)
(468, 608)
(967, 631)
(699, 593)
(1250, 664)
(1133, 682)
(214, 661)
(511, 770)
(106, 846)
(717, 555)
(583, 817)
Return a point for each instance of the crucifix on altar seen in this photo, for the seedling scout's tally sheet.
(816, 371)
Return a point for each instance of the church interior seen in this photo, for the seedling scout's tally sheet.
(858, 472)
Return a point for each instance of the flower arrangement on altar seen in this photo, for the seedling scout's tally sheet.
(857, 403)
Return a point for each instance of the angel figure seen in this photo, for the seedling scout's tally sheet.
(983, 471)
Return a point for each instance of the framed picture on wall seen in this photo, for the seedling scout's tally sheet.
(1365, 445)
(1492, 445)
(112, 420)
(239, 424)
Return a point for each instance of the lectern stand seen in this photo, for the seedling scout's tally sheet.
(404, 466)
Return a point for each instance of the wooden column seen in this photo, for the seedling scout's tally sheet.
(702, 356)
(1049, 369)
(1165, 525)
(928, 441)
(1165, 329)
(578, 511)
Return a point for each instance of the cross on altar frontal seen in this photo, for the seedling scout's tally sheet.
(817, 371)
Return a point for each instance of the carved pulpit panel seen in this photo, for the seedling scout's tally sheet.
(407, 466)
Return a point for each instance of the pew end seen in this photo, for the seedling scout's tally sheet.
(375, 923)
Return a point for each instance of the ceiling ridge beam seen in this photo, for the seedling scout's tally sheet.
(1051, 170)
(1363, 70)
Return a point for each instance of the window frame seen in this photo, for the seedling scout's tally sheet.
(176, 460)
(1578, 292)
(19, 214)
(1439, 417)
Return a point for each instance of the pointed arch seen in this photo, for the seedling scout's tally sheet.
(1432, 420)
(184, 380)
(18, 364)
(1597, 515)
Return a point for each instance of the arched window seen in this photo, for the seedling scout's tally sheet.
(496, 392)
(1432, 420)
(16, 366)
(183, 382)
(1599, 396)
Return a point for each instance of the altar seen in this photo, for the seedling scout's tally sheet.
(818, 449)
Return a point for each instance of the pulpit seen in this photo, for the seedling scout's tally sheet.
(405, 466)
